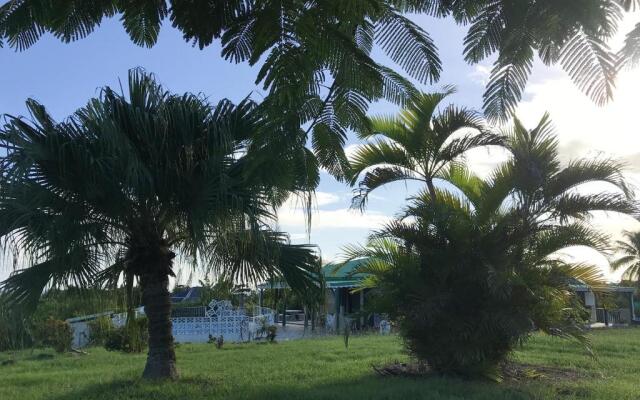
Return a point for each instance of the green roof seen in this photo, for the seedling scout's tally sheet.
(331, 270)
(341, 278)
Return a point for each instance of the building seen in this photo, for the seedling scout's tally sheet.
(609, 305)
(340, 300)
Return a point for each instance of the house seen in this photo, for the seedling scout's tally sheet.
(609, 305)
(340, 301)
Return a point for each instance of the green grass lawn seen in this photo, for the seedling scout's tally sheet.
(319, 369)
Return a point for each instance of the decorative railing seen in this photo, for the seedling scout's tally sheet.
(221, 319)
(609, 316)
(181, 312)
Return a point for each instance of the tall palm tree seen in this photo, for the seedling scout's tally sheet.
(468, 274)
(628, 258)
(127, 183)
(419, 144)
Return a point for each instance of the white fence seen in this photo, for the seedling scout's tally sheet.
(222, 319)
(219, 318)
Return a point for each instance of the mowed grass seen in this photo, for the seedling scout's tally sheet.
(320, 369)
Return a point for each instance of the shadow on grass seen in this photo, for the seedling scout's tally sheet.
(368, 387)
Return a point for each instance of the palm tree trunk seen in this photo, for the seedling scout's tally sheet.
(432, 189)
(161, 359)
(129, 297)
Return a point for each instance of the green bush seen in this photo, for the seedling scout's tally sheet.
(15, 332)
(131, 338)
(99, 330)
(53, 333)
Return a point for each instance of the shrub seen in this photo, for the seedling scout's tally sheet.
(54, 333)
(217, 341)
(99, 330)
(15, 332)
(131, 338)
(271, 333)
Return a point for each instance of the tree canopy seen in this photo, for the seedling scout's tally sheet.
(316, 59)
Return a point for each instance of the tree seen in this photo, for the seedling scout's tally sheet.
(315, 57)
(126, 183)
(419, 144)
(305, 45)
(628, 259)
(467, 277)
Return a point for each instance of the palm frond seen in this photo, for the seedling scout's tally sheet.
(591, 65)
(408, 46)
(629, 55)
(504, 90)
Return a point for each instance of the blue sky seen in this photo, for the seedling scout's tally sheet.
(64, 76)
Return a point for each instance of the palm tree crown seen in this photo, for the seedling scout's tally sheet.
(125, 183)
(419, 144)
(628, 258)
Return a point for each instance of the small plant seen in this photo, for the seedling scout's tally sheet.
(54, 333)
(264, 327)
(131, 338)
(271, 333)
(217, 341)
(346, 333)
(99, 330)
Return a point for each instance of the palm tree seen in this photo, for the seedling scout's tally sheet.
(126, 184)
(628, 258)
(419, 144)
(468, 274)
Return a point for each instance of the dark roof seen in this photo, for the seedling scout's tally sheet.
(187, 294)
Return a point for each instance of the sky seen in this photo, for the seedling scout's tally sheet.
(64, 76)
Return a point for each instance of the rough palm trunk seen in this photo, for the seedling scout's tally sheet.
(161, 359)
(432, 189)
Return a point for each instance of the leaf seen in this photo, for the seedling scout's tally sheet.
(408, 46)
(629, 55)
(591, 65)
(143, 21)
(504, 90)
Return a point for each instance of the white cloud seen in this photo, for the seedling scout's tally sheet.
(298, 236)
(584, 129)
(326, 219)
(480, 74)
(320, 199)
(350, 149)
